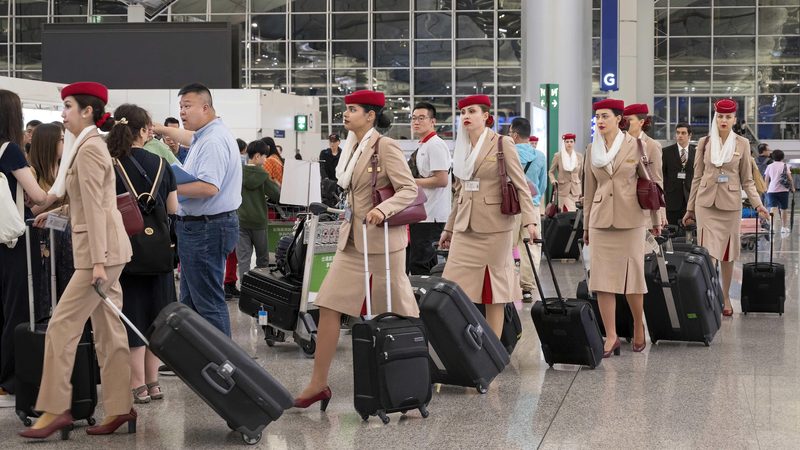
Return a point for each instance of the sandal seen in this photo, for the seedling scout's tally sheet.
(155, 386)
(140, 395)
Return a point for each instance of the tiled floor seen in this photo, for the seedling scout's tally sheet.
(741, 392)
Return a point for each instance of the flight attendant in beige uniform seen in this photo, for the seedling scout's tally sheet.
(566, 173)
(100, 250)
(342, 291)
(638, 121)
(722, 169)
(615, 223)
(478, 235)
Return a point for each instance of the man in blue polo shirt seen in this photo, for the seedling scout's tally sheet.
(208, 225)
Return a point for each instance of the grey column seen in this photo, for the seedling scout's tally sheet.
(557, 48)
(637, 58)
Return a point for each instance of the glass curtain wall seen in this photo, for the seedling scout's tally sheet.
(748, 50)
(413, 50)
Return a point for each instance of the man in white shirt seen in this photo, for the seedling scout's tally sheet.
(430, 165)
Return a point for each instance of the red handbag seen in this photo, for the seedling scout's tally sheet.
(649, 193)
(128, 207)
(510, 197)
(552, 208)
(413, 213)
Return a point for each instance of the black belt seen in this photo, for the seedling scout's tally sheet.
(206, 218)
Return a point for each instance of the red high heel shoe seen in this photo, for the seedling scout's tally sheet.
(112, 426)
(639, 348)
(728, 312)
(323, 396)
(615, 350)
(62, 423)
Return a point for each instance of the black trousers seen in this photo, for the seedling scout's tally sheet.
(674, 217)
(421, 256)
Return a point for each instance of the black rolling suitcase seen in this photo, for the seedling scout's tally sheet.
(464, 350)
(686, 244)
(624, 318)
(561, 234)
(277, 295)
(29, 353)
(568, 329)
(763, 283)
(391, 372)
(216, 368)
(680, 304)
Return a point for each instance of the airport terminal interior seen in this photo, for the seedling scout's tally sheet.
(290, 71)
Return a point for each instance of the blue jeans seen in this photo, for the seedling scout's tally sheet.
(202, 248)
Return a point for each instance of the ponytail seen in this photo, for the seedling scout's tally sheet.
(128, 120)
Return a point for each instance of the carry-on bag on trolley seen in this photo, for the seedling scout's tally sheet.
(764, 283)
(681, 303)
(225, 376)
(568, 328)
(686, 244)
(29, 346)
(464, 350)
(391, 372)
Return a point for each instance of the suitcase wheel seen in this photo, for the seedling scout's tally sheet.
(384, 418)
(24, 418)
(424, 412)
(251, 440)
(270, 342)
(309, 347)
(706, 342)
(91, 421)
(482, 389)
(365, 417)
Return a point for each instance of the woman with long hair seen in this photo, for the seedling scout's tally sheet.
(480, 237)
(614, 223)
(723, 167)
(100, 250)
(273, 165)
(47, 145)
(343, 290)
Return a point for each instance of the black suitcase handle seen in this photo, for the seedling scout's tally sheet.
(474, 335)
(224, 372)
(560, 300)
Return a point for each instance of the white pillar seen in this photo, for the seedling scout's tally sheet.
(136, 14)
(636, 49)
(557, 48)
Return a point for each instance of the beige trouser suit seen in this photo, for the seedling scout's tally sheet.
(98, 237)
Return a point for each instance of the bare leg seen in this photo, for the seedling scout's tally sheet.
(726, 275)
(327, 340)
(636, 303)
(785, 218)
(137, 366)
(495, 315)
(608, 311)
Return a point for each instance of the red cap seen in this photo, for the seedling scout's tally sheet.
(533, 139)
(568, 136)
(372, 98)
(725, 106)
(475, 100)
(86, 88)
(635, 108)
(609, 103)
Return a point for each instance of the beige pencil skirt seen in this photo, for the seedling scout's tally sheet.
(617, 262)
(718, 231)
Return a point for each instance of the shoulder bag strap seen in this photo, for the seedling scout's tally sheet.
(124, 177)
(528, 166)
(501, 160)
(644, 161)
(154, 185)
(374, 164)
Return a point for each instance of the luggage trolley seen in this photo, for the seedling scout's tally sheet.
(319, 255)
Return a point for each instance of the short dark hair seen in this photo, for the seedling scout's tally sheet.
(33, 123)
(684, 125)
(762, 148)
(242, 144)
(171, 120)
(273, 149)
(777, 155)
(257, 147)
(521, 126)
(426, 105)
(196, 88)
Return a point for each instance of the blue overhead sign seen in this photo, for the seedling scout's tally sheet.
(609, 45)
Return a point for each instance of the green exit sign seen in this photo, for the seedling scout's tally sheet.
(300, 122)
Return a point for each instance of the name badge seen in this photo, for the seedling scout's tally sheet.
(722, 178)
(348, 214)
(472, 185)
(681, 175)
(56, 222)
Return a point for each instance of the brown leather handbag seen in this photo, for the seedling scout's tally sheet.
(649, 193)
(552, 208)
(413, 213)
(128, 207)
(510, 197)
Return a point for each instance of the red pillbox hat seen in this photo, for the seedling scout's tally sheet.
(86, 88)
(365, 97)
(475, 100)
(725, 106)
(635, 108)
(609, 103)
(568, 136)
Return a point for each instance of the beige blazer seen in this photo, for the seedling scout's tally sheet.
(569, 183)
(610, 200)
(98, 234)
(480, 210)
(707, 191)
(392, 170)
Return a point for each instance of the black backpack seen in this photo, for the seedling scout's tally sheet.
(290, 254)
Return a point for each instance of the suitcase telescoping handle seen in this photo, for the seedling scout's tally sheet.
(119, 313)
(771, 241)
(366, 269)
(53, 284)
(561, 302)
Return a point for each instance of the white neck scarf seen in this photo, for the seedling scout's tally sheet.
(464, 155)
(721, 153)
(349, 157)
(568, 161)
(70, 148)
(603, 157)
